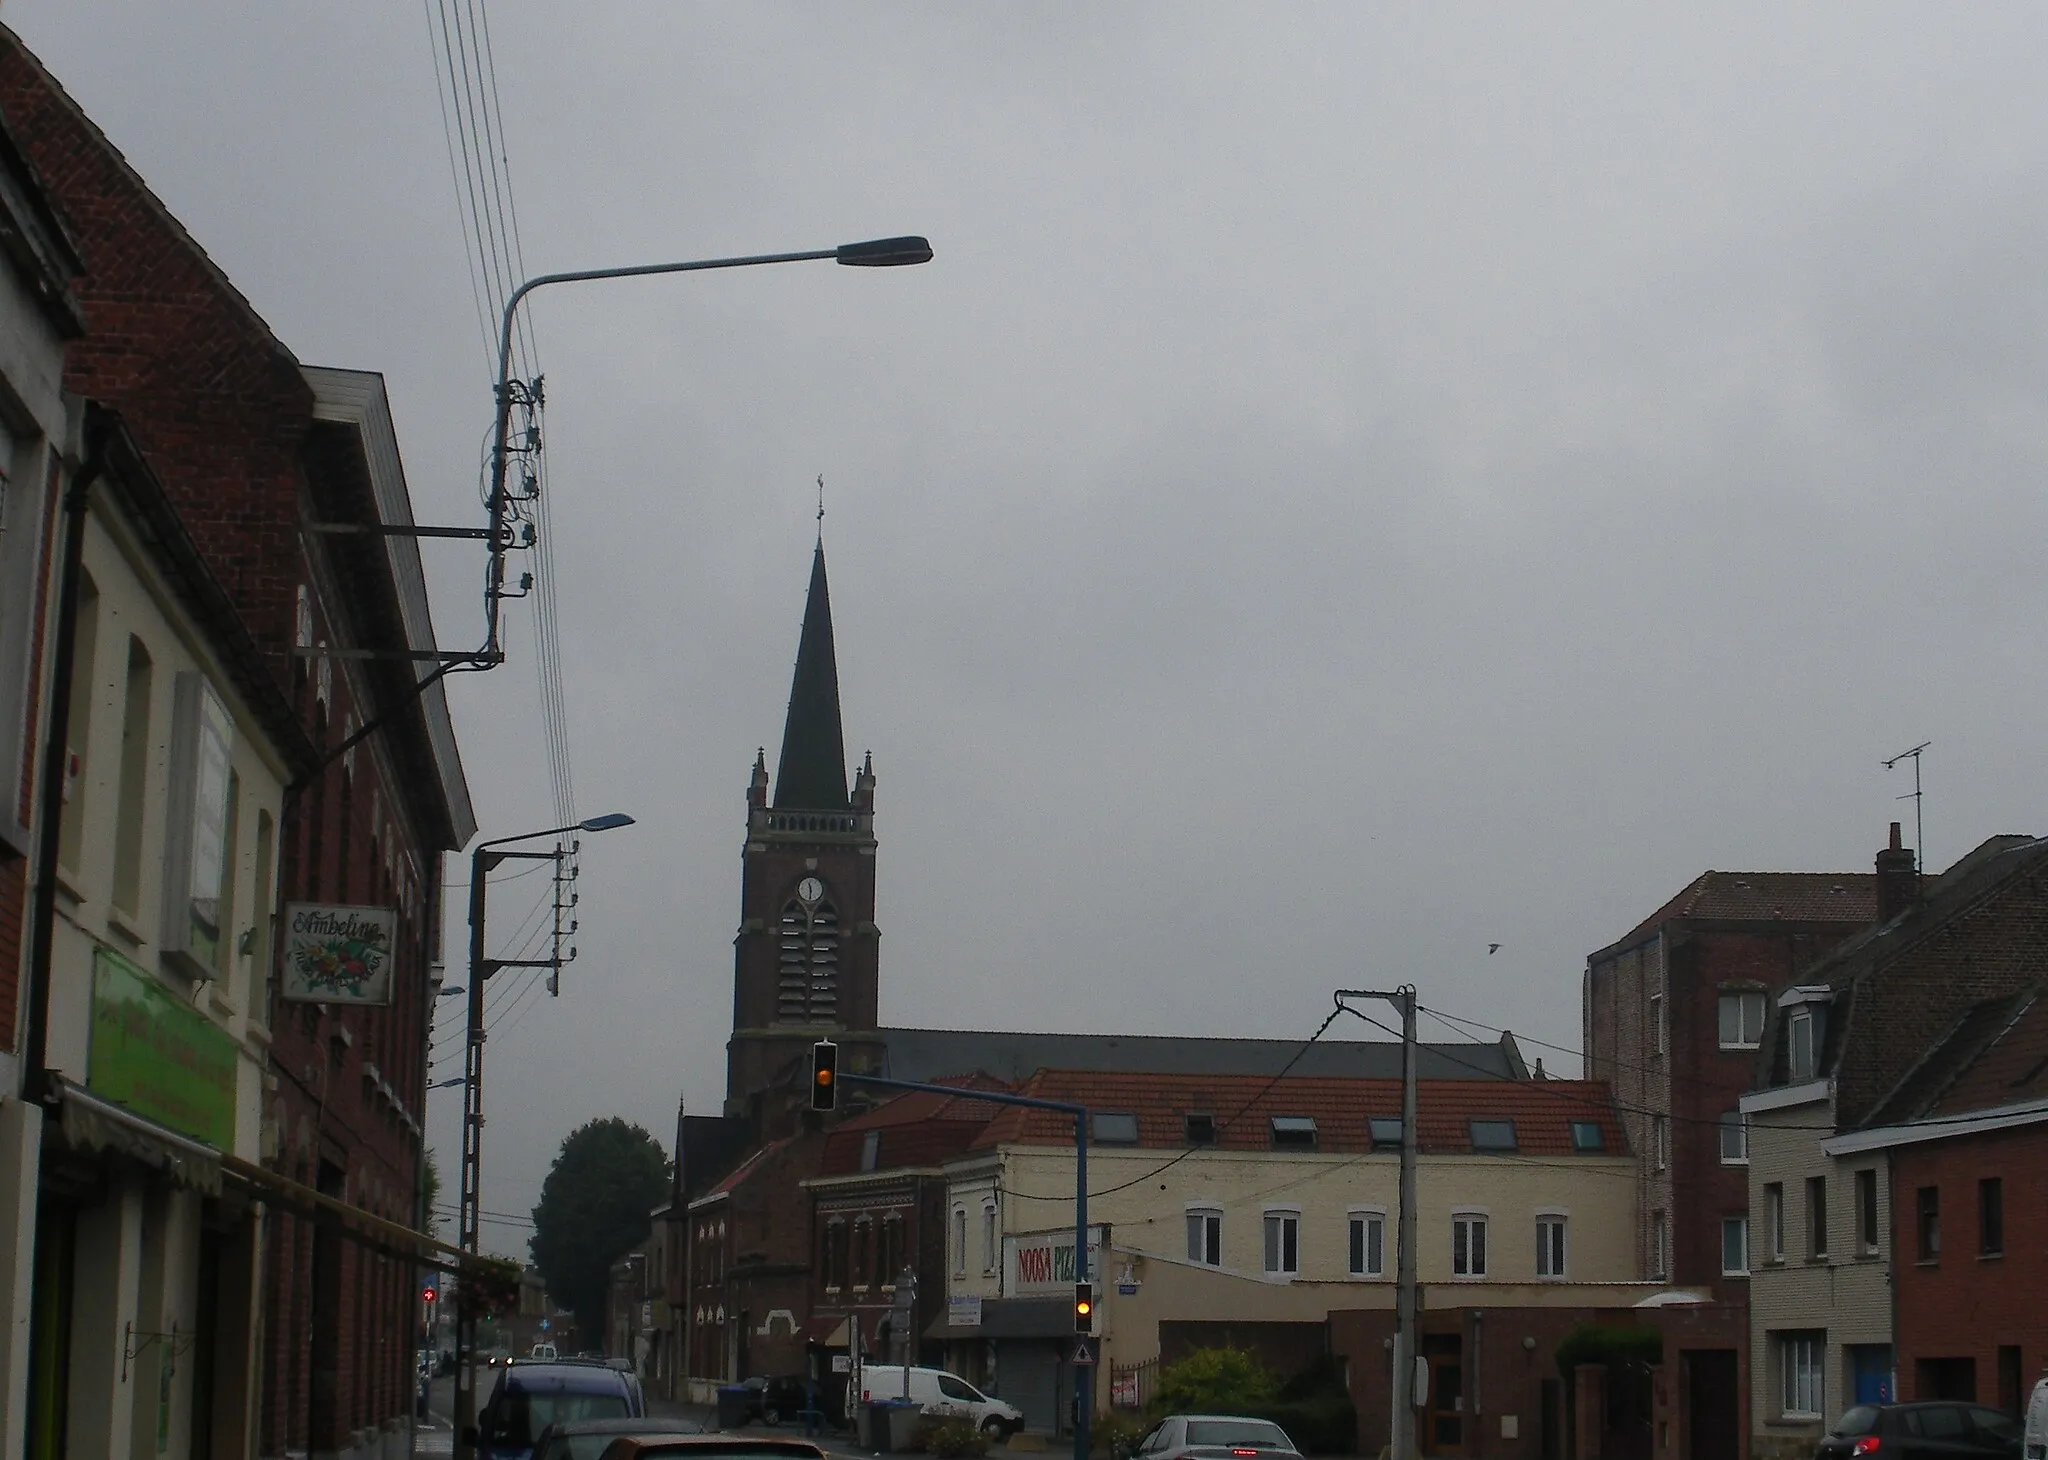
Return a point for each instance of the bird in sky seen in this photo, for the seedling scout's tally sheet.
(1491, 949)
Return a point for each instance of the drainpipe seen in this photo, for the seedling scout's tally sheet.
(43, 914)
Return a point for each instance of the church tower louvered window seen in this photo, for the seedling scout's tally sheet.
(807, 987)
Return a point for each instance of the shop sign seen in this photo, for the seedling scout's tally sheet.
(338, 955)
(156, 1055)
(964, 1311)
(1041, 1264)
(1123, 1389)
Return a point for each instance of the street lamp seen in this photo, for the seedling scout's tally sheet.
(482, 859)
(879, 253)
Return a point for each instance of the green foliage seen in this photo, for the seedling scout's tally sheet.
(1213, 1381)
(1595, 1343)
(1115, 1432)
(593, 1209)
(949, 1438)
(430, 1183)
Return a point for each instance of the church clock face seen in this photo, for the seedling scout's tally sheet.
(810, 890)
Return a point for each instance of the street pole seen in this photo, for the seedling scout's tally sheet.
(1407, 1309)
(1407, 1316)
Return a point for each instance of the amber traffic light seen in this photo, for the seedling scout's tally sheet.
(1084, 1307)
(824, 1075)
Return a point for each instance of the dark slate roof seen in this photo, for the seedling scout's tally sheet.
(1244, 1106)
(1949, 1058)
(812, 772)
(1792, 897)
(1009, 1056)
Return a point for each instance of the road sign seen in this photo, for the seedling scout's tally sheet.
(1084, 1353)
(544, 1325)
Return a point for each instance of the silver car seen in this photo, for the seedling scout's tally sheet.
(1215, 1437)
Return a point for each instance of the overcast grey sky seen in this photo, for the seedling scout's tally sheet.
(1357, 484)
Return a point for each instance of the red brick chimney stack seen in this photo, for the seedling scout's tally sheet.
(1898, 879)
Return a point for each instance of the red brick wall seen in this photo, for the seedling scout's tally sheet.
(1965, 1305)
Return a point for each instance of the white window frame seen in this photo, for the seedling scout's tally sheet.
(991, 1239)
(1211, 1218)
(1802, 1374)
(1660, 1246)
(1660, 1140)
(959, 1241)
(1553, 1252)
(1280, 1230)
(1358, 1234)
(1800, 1054)
(1741, 1222)
(1469, 1258)
(1742, 998)
(1738, 1123)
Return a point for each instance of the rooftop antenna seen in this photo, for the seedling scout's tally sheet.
(1919, 823)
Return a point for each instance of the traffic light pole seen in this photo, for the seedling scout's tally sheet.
(1084, 1411)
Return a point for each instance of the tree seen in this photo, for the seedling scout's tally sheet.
(430, 1185)
(594, 1209)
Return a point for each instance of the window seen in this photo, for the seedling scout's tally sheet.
(1369, 1244)
(1799, 1045)
(1742, 1019)
(1201, 1130)
(1816, 1217)
(224, 922)
(1927, 1222)
(1735, 1246)
(863, 1252)
(1866, 1211)
(1550, 1247)
(134, 785)
(1468, 1245)
(1386, 1132)
(1586, 1136)
(1205, 1238)
(1283, 1244)
(959, 1242)
(1116, 1128)
(836, 1239)
(1774, 1219)
(78, 724)
(1294, 1133)
(1990, 1217)
(1734, 1139)
(988, 1239)
(1660, 1140)
(870, 1149)
(1660, 1245)
(1656, 1024)
(889, 1260)
(260, 908)
(1802, 1355)
(1493, 1135)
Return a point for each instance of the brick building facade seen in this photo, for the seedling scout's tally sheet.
(1673, 1016)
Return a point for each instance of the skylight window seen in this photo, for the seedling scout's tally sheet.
(1294, 1133)
(1201, 1129)
(1116, 1128)
(1586, 1136)
(1386, 1132)
(1493, 1135)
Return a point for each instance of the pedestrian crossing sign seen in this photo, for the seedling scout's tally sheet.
(1083, 1354)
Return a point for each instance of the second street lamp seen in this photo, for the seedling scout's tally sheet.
(482, 859)
(879, 253)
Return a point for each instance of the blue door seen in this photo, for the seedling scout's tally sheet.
(1871, 1368)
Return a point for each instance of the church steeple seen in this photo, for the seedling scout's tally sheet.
(812, 773)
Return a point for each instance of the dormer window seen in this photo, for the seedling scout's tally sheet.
(1201, 1129)
(1116, 1128)
(1493, 1135)
(1294, 1133)
(1385, 1131)
(1799, 1045)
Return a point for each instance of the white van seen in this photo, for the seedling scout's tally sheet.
(2036, 1442)
(937, 1392)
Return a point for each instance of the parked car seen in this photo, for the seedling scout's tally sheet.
(1932, 1429)
(937, 1392)
(530, 1397)
(544, 1353)
(587, 1439)
(772, 1401)
(709, 1447)
(1214, 1437)
(2035, 1435)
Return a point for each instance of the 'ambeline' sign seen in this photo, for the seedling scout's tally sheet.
(338, 955)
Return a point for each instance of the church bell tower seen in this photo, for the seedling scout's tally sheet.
(805, 957)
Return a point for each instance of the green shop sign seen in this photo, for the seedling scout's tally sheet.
(158, 1056)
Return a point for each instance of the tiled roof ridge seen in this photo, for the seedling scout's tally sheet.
(1921, 922)
(2016, 1009)
(1688, 897)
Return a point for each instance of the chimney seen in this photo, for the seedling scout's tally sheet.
(1898, 880)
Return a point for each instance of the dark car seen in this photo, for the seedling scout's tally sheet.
(710, 1447)
(587, 1439)
(530, 1397)
(1215, 1437)
(1932, 1429)
(772, 1401)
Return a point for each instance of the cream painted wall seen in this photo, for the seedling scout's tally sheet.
(135, 602)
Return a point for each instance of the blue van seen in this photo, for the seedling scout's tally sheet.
(531, 1396)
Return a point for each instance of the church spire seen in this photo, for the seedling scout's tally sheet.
(812, 772)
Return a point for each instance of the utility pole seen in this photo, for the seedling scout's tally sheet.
(1408, 1301)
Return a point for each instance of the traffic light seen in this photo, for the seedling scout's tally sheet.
(427, 1293)
(1084, 1307)
(824, 1075)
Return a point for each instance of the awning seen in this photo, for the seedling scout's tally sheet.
(372, 1231)
(1011, 1318)
(86, 1122)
